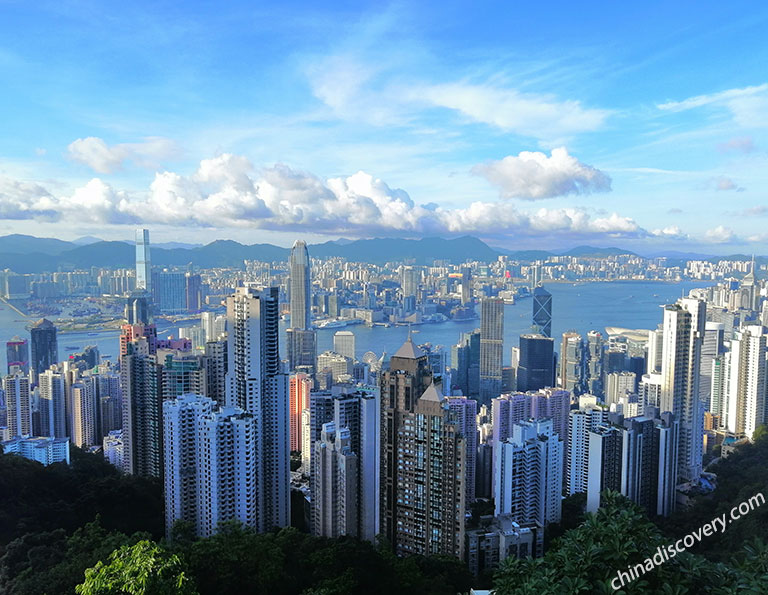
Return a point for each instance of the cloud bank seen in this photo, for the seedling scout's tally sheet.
(226, 191)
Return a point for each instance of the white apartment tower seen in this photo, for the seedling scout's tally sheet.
(529, 474)
(83, 396)
(256, 385)
(745, 381)
(19, 407)
(582, 421)
(683, 333)
(53, 412)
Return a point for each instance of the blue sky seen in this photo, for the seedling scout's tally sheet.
(531, 125)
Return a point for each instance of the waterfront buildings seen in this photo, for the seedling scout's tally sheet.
(44, 346)
(491, 348)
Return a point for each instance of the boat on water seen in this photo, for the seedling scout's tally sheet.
(93, 334)
(332, 324)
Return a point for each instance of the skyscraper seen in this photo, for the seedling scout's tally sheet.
(53, 412)
(211, 473)
(300, 286)
(143, 262)
(216, 370)
(605, 458)
(169, 291)
(344, 343)
(423, 462)
(335, 474)
(84, 412)
(536, 368)
(18, 404)
(141, 389)
(344, 482)
(572, 362)
(711, 347)
(45, 348)
(589, 416)
(182, 373)
(299, 389)
(542, 312)
(649, 461)
(618, 384)
(409, 281)
(180, 454)
(529, 474)
(491, 348)
(595, 363)
(301, 339)
(256, 385)
(137, 310)
(465, 411)
(17, 354)
(194, 292)
(684, 325)
(746, 381)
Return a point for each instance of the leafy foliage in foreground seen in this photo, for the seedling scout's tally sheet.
(739, 477)
(141, 568)
(587, 558)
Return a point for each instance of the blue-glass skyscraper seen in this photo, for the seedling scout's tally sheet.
(143, 262)
(542, 312)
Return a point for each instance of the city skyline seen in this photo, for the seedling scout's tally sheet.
(603, 135)
(383, 297)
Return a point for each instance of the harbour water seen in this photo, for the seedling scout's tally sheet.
(581, 307)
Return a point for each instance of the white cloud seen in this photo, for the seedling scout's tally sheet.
(748, 106)
(720, 235)
(532, 175)
(538, 116)
(376, 91)
(25, 200)
(672, 232)
(226, 192)
(102, 158)
(724, 183)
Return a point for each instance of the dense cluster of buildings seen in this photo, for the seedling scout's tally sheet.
(399, 447)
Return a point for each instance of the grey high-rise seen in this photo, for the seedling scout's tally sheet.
(491, 347)
(143, 262)
(301, 340)
(300, 286)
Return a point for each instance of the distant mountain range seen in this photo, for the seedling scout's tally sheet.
(29, 254)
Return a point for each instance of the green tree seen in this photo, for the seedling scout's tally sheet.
(586, 559)
(142, 569)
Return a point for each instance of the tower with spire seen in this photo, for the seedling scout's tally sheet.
(423, 460)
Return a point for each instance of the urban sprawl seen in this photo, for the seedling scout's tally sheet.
(397, 445)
